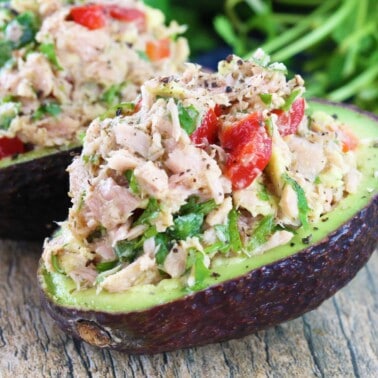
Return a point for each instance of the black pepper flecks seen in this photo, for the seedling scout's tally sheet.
(307, 239)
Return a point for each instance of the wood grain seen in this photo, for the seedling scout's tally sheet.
(339, 339)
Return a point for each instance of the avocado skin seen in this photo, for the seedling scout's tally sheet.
(33, 195)
(260, 299)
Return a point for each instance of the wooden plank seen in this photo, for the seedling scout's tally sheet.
(339, 339)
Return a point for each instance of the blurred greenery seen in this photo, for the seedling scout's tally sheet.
(333, 44)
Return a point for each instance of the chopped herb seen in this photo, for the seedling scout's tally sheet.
(106, 265)
(29, 25)
(188, 117)
(186, 225)
(5, 52)
(301, 199)
(133, 183)
(317, 180)
(261, 233)
(124, 108)
(49, 108)
(218, 246)
(150, 213)
(55, 264)
(291, 98)
(192, 206)
(112, 94)
(233, 230)
(48, 49)
(127, 250)
(8, 111)
(266, 98)
(162, 240)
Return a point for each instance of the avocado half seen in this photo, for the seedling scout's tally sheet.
(33, 192)
(243, 295)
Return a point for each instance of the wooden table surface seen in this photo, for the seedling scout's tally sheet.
(339, 339)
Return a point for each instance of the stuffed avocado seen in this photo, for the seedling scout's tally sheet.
(62, 64)
(218, 206)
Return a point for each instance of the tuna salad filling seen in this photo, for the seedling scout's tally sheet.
(63, 63)
(203, 165)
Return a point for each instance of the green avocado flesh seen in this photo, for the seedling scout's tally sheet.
(34, 154)
(62, 290)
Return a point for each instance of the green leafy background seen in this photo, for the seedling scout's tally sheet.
(333, 44)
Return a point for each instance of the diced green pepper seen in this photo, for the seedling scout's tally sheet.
(133, 183)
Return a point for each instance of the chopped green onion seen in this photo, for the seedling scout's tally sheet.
(233, 230)
(188, 117)
(48, 49)
(263, 194)
(261, 233)
(133, 183)
(112, 94)
(290, 99)
(122, 109)
(301, 199)
(51, 108)
(93, 159)
(106, 265)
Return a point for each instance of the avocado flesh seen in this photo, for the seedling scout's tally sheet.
(245, 294)
(33, 193)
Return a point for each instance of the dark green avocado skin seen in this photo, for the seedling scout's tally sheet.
(260, 299)
(33, 195)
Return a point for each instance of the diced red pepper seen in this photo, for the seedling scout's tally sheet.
(157, 50)
(10, 146)
(288, 122)
(91, 16)
(249, 150)
(207, 132)
(127, 15)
